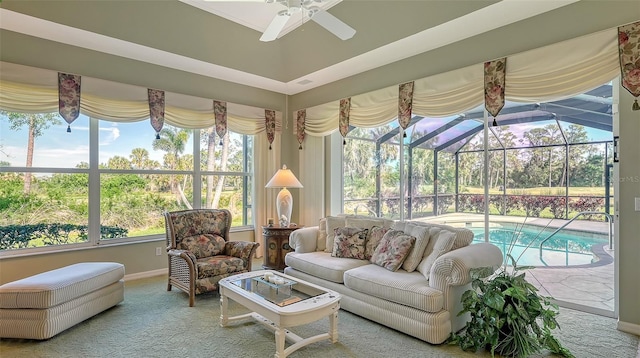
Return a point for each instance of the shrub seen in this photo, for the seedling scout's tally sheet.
(20, 236)
(586, 203)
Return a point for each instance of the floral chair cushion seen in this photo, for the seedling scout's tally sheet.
(194, 223)
(203, 245)
(219, 265)
(392, 250)
(349, 242)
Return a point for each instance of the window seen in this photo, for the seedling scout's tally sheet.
(125, 172)
(544, 159)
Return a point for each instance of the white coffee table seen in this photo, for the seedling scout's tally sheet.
(278, 306)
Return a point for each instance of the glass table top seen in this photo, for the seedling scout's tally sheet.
(277, 289)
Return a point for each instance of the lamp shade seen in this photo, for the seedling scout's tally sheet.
(284, 178)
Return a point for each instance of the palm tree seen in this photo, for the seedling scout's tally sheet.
(172, 141)
(36, 123)
(210, 138)
(118, 162)
(223, 167)
(139, 158)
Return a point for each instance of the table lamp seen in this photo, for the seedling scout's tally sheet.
(284, 179)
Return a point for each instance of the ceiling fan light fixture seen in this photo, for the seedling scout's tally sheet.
(312, 11)
(308, 9)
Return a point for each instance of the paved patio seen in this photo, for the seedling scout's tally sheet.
(588, 288)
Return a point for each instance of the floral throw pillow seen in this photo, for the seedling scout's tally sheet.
(375, 236)
(349, 242)
(393, 250)
(204, 245)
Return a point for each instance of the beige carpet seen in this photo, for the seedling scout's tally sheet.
(152, 322)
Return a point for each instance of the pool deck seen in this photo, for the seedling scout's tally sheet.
(588, 287)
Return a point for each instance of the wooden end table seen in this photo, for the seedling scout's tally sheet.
(276, 246)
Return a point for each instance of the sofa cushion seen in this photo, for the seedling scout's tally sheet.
(399, 225)
(322, 265)
(375, 236)
(421, 233)
(321, 245)
(406, 288)
(349, 243)
(341, 220)
(464, 236)
(444, 240)
(365, 223)
(368, 221)
(392, 250)
(333, 222)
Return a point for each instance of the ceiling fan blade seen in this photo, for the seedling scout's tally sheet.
(333, 25)
(274, 28)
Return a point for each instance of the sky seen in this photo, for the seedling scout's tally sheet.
(57, 148)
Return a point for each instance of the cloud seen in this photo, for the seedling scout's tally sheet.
(47, 157)
(113, 133)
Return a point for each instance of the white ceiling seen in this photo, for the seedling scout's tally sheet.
(255, 15)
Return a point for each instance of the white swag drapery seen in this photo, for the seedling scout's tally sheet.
(553, 72)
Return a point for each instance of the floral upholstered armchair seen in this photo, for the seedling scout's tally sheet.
(200, 253)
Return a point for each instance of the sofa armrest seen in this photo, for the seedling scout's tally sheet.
(304, 239)
(453, 268)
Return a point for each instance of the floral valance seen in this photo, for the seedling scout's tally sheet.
(629, 53)
(37, 92)
(494, 86)
(300, 122)
(405, 105)
(69, 97)
(270, 125)
(220, 112)
(156, 110)
(343, 125)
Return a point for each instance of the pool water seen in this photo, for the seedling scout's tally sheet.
(563, 249)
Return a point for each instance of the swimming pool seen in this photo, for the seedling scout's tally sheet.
(570, 248)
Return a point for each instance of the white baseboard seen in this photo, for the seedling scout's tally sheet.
(146, 274)
(629, 328)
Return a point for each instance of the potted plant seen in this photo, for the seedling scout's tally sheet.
(508, 315)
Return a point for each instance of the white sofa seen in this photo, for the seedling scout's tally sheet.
(425, 306)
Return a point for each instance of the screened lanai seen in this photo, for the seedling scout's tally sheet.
(548, 159)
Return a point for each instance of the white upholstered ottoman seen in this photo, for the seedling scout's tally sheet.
(43, 305)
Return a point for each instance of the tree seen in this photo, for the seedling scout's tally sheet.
(139, 158)
(223, 167)
(209, 136)
(172, 141)
(36, 124)
(118, 162)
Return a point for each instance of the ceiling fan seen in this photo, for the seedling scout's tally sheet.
(307, 8)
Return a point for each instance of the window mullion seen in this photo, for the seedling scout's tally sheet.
(94, 182)
(197, 173)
